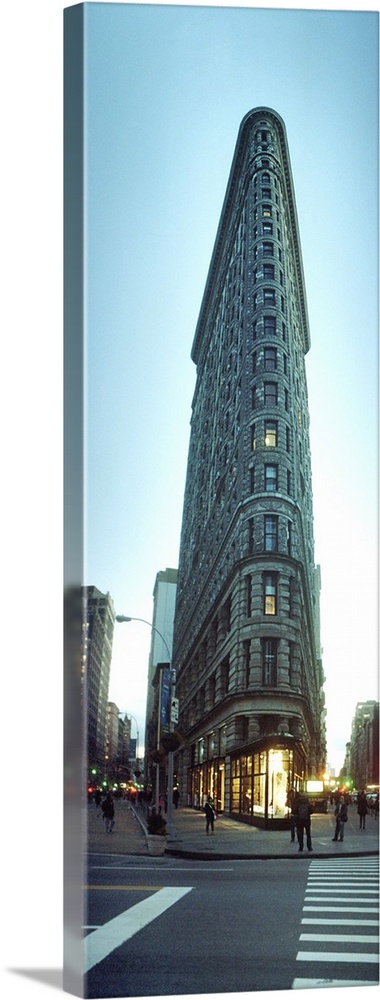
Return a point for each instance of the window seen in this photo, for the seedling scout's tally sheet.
(268, 228)
(270, 359)
(271, 478)
(247, 660)
(270, 434)
(253, 437)
(248, 595)
(267, 211)
(270, 593)
(251, 536)
(252, 480)
(267, 248)
(265, 178)
(270, 393)
(269, 326)
(292, 594)
(255, 400)
(270, 533)
(289, 538)
(266, 192)
(269, 272)
(269, 297)
(224, 676)
(269, 661)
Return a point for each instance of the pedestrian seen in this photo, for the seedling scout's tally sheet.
(303, 811)
(362, 808)
(210, 815)
(176, 798)
(98, 797)
(341, 817)
(108, 809)
(291, 802)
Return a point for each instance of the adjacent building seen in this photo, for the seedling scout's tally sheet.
(164, 599)
(97, 636)
(364, 745)
(246, 642)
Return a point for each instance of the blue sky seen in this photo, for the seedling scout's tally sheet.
(167, 88)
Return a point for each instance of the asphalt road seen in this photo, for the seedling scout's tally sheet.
(169, 927)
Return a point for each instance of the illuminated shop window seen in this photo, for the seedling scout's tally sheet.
(279, 769)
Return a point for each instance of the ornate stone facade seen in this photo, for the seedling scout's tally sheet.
(246, 643)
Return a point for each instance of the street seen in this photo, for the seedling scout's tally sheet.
(169, 926)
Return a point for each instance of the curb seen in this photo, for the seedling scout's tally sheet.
(204, 856)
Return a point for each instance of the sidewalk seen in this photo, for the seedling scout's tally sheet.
(231, 839)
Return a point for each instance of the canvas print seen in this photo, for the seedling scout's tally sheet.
(221, 699)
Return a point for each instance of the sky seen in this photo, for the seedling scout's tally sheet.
(185, 106)
(167, 88)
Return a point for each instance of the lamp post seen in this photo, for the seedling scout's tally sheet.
(127, 618)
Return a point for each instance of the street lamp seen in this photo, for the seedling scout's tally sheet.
(124, 618)
(171, 831)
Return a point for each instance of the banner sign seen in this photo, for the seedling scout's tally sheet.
(165, 699)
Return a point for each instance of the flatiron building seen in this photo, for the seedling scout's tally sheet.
(246, 644)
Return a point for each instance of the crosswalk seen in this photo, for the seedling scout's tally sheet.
(339, 939)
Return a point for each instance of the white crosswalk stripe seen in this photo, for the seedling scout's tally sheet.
(347, 894)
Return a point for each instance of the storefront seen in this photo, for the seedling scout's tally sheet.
(261, 778)
(207, 774)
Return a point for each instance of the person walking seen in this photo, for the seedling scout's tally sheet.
(109, 812)
(341, 817)
(210, 815)
(302, 812)
(291, 802)
(362, 808)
